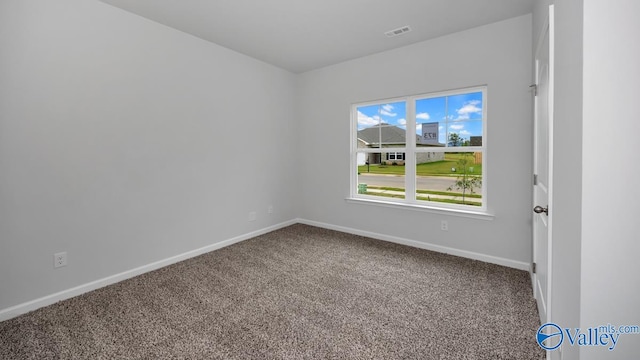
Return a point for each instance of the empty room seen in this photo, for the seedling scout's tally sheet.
(437, 179)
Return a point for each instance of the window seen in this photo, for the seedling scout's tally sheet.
(427, 150)
(395, 156)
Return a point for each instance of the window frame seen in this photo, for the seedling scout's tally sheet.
(411, 150)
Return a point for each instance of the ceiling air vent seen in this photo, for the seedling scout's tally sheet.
(398, 31)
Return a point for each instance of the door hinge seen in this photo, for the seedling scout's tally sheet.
(535, 89)
(533, 268)
(535, 179)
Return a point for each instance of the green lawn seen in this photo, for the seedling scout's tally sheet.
(436, 168)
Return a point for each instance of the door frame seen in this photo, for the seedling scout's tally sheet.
(548, 26)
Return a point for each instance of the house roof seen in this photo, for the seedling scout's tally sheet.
(386, 134)
(383, 133)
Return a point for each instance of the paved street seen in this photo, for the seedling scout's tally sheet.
(440, 183)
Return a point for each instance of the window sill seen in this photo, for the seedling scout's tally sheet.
(481, 215)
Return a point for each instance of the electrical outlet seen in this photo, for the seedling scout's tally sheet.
(60, 259)
(444, 225)
(252, 216)
(270, 209)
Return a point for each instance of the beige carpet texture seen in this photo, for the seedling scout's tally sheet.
(300, 292)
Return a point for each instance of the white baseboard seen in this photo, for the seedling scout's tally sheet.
(438, 248)
(11, 312)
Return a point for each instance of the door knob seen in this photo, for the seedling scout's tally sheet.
(539, 210)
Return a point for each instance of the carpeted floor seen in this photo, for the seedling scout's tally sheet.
(297, 293)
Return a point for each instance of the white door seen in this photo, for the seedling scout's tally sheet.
(543, 149)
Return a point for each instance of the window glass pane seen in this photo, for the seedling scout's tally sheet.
(379, 179)
(431, 121)
(465, 106)
(464, 121)
(449, 177)
(382, 125)
(465, 133)
(451, 121)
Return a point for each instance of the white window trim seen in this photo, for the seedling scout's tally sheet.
(411, 150)
(378, 201)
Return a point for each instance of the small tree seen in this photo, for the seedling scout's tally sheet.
(455, 140)
(465, 181)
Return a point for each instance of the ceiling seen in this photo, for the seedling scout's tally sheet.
(302, 35)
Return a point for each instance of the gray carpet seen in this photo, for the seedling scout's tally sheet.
(297, 293)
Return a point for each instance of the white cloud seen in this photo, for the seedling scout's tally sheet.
(423, 116)
(367, 120)
(465, 133)
(469, 107)
(402, 122)
(386, 110)
(456, 127)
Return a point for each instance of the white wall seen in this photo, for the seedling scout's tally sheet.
(498, 55)
(610, 290)
(124, 142)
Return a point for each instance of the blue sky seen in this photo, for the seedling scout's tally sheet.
(461, 114)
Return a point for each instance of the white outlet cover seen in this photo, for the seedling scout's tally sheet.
(59, 259)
